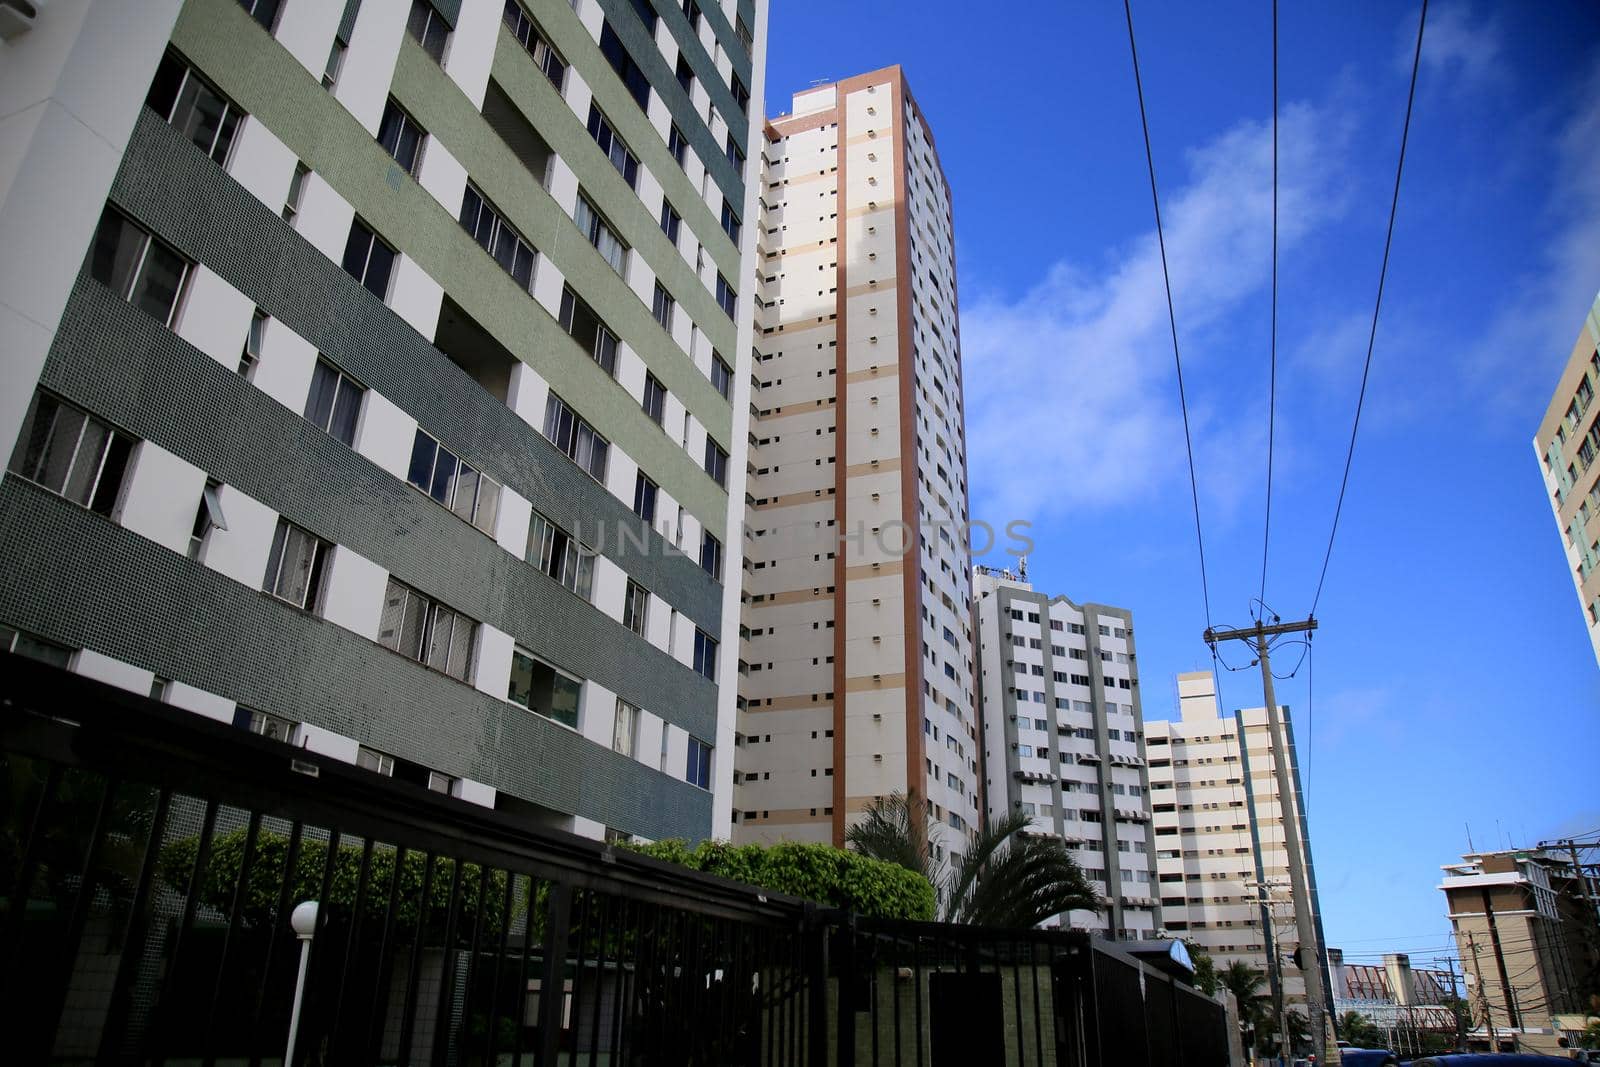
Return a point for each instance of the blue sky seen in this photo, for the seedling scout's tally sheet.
(1454, 682)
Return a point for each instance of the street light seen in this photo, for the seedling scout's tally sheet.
(304, 922)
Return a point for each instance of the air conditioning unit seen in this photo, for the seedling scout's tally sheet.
(17, 17)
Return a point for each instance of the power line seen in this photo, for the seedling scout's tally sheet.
(1383, 272)
(1272, 358)
(1172, 319)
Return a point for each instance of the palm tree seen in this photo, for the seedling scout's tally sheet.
(1243, 981)
(1004, 878)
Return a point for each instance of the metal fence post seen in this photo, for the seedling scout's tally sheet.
(552, 993)
(816, 947)
(845, 967)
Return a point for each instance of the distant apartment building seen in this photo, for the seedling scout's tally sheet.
(377, 379)
(1568, 444)
(1222, 865)
(1406, 1003)
(1064, 738)
(857, 643)
(1526, 934)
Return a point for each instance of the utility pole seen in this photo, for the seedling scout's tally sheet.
(1257, 638)
(1450, 962)
(1483, 993)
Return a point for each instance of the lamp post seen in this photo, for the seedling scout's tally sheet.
(304, 922)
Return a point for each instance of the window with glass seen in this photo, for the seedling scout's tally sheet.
(71, 453)
(670, 221)
(137, 267)
(334, 64)
(662, 307)
(698, 770)
(585, 327)
(741, 95)
(730, 223)
(625, 731)
(496, 237)
(722, 376)
(677, 144)
(635, 607)
(716, 463)
(705, 654)
(207, 517)
(297, 188)
(376, 762)
(644, 497)
(561, 556)
(429, 28)
(575, 437)
(470, 494)
(295, 565)
(655, 398)
(253, 338)
(265, 724)
(599, 233)
(34, 647)
(612, 145)
(633, 77)
(264, 12)
(711, 554)
(368, 259)
(401, 137)
(543, 689)
(334, 403)
(194, 107)
(420, 628)
(528, 34)
(727, 299)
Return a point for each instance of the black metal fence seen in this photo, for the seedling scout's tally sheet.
(151, 861)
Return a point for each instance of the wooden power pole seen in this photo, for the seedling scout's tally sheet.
(1258, 639)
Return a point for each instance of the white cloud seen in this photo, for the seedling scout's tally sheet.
(1095, 340)
(1456, 50)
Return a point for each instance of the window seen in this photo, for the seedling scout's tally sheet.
(295, 566)
(624, 734)
(644, 497)
(429, 28)
(721, 376)
(670, 221)
(207, 517)
(368, 259)
(34, 647)
(741, 95)
(297, 189)
(705, 654)
(617, 152)
(677, 144)
(691, 11)
(647, 14)
(585, 327)
(527, 33)
(496, 237)
(716, 463)
(544, 690)
(558, 554)
(335, 64)
(635, 607)
(137, 267)
(698, 771)
(710, 555)
(72, 454)
(742, 31)
(377, 762)
(662, 307)
(472, 495)
(598, 233)
(727, 299)
(616, 53)
(334, 402)
(263, 11)
(401, 137)
(422, 629)
(685, 74)
(265, 724)
(735, 157)
(655, 398)
(194, 107)
(252, 344)
(568, 432)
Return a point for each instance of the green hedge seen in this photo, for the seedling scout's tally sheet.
(831, 876)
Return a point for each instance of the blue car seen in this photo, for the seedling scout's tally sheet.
(1368, 1057)
(1488, 1059)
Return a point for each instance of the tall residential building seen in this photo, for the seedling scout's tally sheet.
(857, 640)
(1567, 444)
(377, 379)
(1526, 933)
(1063, 738)
(1222, 865)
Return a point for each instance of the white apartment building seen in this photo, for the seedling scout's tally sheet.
(1064, 739)
(856, 646)
(1223, 869)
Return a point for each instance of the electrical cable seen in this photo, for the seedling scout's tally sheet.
(1383, 273)
(1272, 359)
(1172, 319)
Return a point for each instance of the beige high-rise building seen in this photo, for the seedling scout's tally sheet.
(1222, 868)
(857, 637)
(1567, 444)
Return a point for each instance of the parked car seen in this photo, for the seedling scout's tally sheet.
(1368, 1057)
(1488, 1059)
